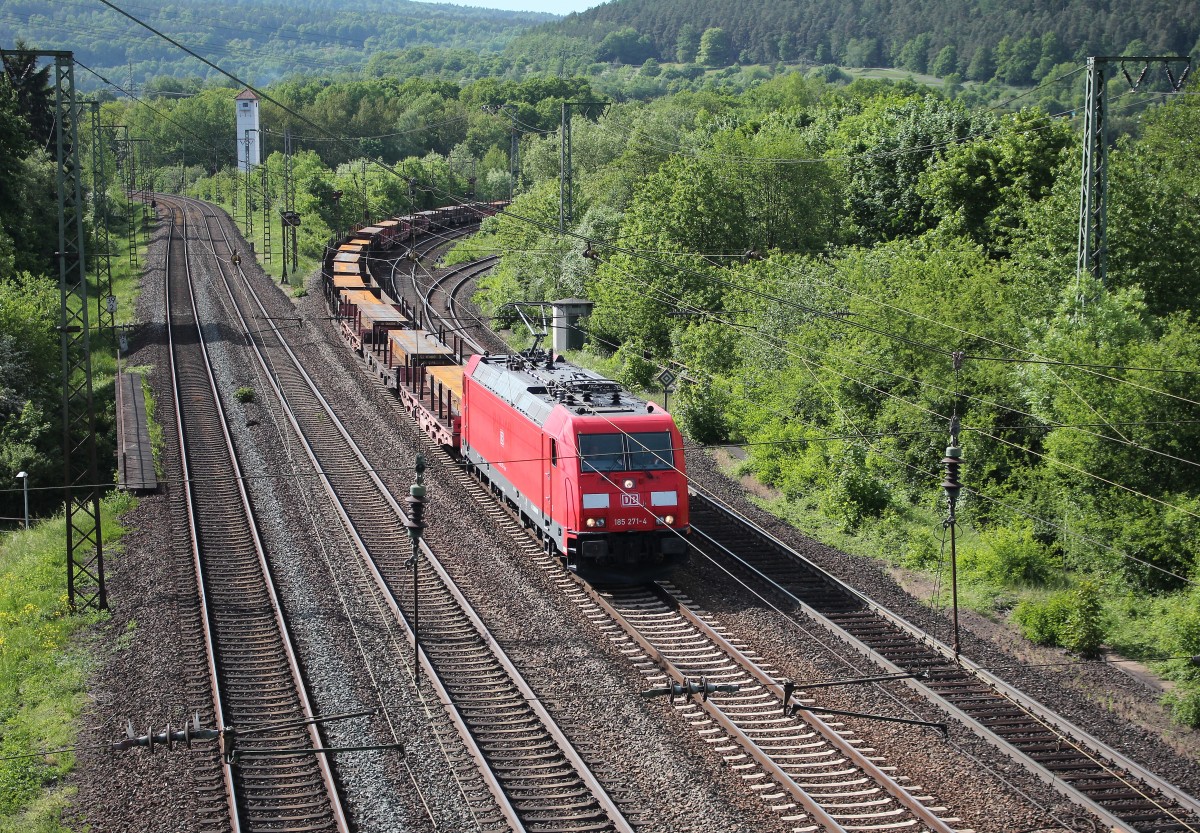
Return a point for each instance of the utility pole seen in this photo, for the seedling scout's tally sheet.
(249, 192)
(952, 461)
(514, 147)
(564, 170)
(287, 184)
(1092, 251)
(84, 545)
(101, 259)
(266, 217)
(514, 161)
(565, 182)
(123, 153)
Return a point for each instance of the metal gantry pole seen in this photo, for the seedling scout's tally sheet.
(101, 257)
(1093, 186)
(514, 162)
(249, 191)
(1092, 248)
(952, 461)
(564, 170)
(565, 179)
(85, 549)
(266, 207)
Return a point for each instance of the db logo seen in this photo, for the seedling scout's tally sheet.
(631, 500)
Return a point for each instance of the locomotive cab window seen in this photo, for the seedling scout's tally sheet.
(602, 452)
(553, 452)
(650, 451)
(646, 451)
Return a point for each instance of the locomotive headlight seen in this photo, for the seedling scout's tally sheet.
(668, 519)
(628, 484)
(591, 522)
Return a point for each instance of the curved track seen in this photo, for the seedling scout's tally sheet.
(277, 781)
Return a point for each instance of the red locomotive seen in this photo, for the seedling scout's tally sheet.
(596, 471)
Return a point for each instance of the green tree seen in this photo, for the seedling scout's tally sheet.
(981, 188)
(946, 61)
(716, 48)
(35, 98)
(983, 64)
(914, 55)
(30, 386)
(625, 46)
(886, 148)
(687, 43)
(1017, 59)
(1154, 239)
(789, 50)
(862, 52)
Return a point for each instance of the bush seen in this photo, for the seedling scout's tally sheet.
(1072, 619)
(1185, 704)
(1042, 621)
(1084, 631)
(637, 372)
(701, 413)
(854, 494)
(1011, 557)
(830, 74)
(244, 394)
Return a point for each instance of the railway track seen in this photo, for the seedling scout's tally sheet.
(1120, 793)
(805, 769)
(815, 765)
(537, 780)
(1116, 790)
(278, 782)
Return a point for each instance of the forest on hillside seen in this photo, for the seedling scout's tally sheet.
(1019, 41)
(672, 41)
(263, 41)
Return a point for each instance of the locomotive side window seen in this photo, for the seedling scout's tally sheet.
(553, 452)
(650, 451)
(602, 452)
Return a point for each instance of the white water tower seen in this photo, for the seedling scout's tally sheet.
(247, 120)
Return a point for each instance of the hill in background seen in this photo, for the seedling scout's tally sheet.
(1016, 42)
(260, 41)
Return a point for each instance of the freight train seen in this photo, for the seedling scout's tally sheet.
(594, 471)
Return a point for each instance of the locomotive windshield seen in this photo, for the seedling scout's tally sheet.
(646, 451)
(602, 452)
(650, 451)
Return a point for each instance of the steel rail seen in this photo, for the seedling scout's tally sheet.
(266, 583)
(1023, 701)
(193, 533)
(763, 758)
(893, 787)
